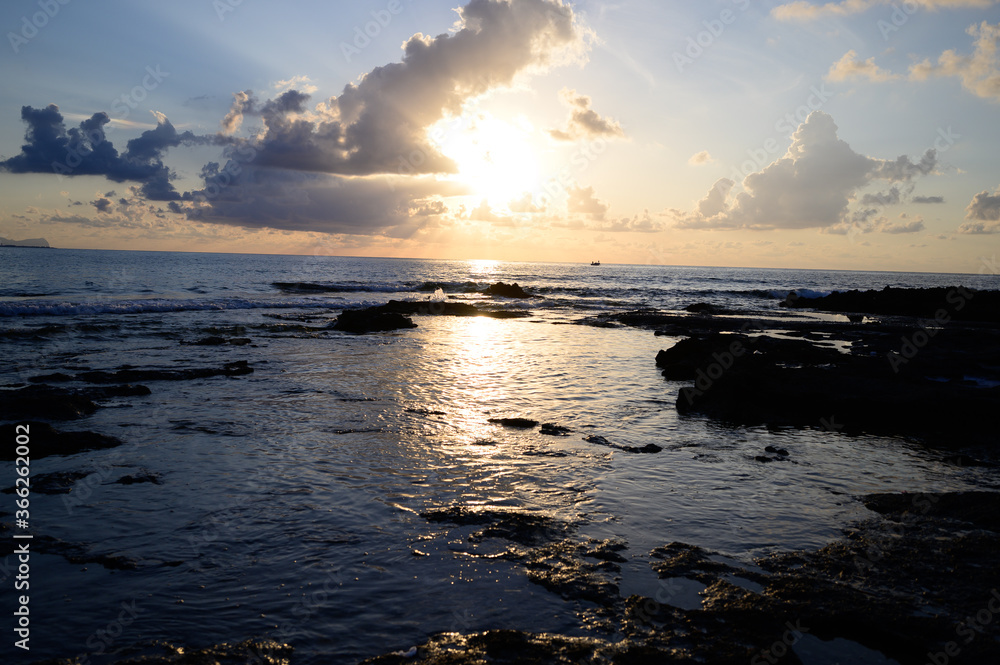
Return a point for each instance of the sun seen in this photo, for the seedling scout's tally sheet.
(495, 158)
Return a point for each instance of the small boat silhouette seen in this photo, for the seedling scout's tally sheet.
(595, 263)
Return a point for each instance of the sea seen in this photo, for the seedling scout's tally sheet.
(290, 503)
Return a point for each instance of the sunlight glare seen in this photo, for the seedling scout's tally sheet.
(495, 158)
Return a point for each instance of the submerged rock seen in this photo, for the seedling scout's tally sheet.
(601, 441)
(129, 374)
(366, 321)
(550, 429)
(46, 441)
(516, 423)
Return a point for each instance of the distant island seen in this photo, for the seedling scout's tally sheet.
(31, 242)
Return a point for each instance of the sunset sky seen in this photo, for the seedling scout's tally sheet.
(860, 134)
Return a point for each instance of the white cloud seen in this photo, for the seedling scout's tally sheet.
(582, 200)
(700, 158)
(984, 213)
(583, 121)
(811, 186)
(850, 67)
(979, 72)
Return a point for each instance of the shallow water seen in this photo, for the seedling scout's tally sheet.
(289, 499)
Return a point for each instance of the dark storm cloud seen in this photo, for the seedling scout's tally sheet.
(85, 150)
(299, 201)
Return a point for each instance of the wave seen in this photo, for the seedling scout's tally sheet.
(808, 294)
(337, 287)
(155, 306)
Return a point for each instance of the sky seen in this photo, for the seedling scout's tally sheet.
(853, 134)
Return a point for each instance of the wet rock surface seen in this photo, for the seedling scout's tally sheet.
(516, 423)
(45, 441)
(890, 376)
(507, 291)
(601, 441)
(915, 581)
(954, 302)
(43, 401)
(367, 321)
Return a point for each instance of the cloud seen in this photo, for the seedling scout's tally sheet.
(979, 228)
(984, 206)
(811, 186)
(806, 11)
(905, 225)
(525, 204)
(484, 213)
(102, 204)
(979, 72)
(257, 197)
(359, 163)
(301, 82)
(582, 200)
(584, 122)
(84, 150)
(927, 199)
(887, 198)
(850, 67)
(700, 158)
(643, 223)
(379, 125)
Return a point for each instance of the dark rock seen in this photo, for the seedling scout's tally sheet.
(366, 321)
(776, 451)
(126, 375)
(954, 302)
(46, 441)
(516, 423)
(601, 441)
(517, 526)
(57, 377)
(506, 291)
(47, 402)
(560, 568)
(705, 308)
(555, 430)
(683, 360)
(142, 477)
